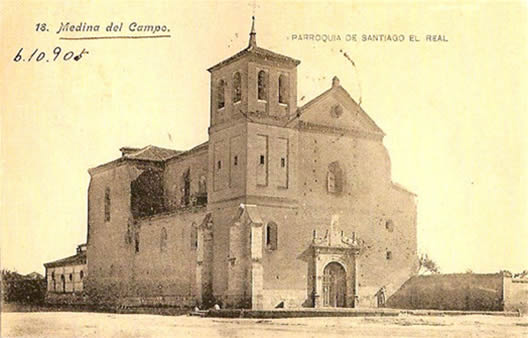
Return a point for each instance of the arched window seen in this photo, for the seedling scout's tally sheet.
(335, 178)
(136, 241)
(186, 178)
(53, 275)
(283, 89)
(262, 90)
(107, 205)
(202, 185)
(271, 236)
(237, 87)
(163, 240)
(81, 274)
(128, 234)
(220, 100)
(202, 191)
(71, 277)
(194, 236)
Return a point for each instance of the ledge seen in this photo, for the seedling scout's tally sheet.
(166, 214)
(344, 312)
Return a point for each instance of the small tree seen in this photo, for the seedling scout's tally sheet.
(17, 288)
(427, 266)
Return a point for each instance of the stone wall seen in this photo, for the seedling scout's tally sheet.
(468, 291)
(135, 260)
(223, 216)
(165, 264)
(516, 294)
(382, 216)
(66, 298)
(110, 246)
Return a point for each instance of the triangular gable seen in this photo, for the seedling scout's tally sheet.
(336, 109)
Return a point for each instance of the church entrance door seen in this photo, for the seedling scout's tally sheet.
(334, 285)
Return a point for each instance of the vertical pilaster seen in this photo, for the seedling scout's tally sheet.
(204, 261)
(199, 267)
(237, 264)
(318, 282)
(257, 271)
(356, 282)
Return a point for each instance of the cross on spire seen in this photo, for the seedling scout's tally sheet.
(252, 34)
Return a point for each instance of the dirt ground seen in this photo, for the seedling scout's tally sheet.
(79, 324)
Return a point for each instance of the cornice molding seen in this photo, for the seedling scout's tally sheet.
(317, 128)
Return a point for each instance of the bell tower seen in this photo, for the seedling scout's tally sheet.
(256, 83)
(249, 90)
(251, 161)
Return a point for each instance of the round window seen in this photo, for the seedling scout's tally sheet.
(336, 111)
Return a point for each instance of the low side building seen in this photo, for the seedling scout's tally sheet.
(515, 292)
(464, 292)
(65, 277)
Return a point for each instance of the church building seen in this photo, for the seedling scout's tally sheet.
(283, 206)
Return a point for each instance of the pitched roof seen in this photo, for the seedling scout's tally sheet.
(79, 258)
(257, 51)
(151, 153)
(148, 153)
(338, 89)
(193, 150)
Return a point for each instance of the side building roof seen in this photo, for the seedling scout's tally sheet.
(156, 155)
(149, 153)
(77, 259)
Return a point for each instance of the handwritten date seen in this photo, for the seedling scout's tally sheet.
(57, 55)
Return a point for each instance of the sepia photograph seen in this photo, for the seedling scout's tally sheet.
(256, 168)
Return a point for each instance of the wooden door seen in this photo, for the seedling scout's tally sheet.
(334, 285)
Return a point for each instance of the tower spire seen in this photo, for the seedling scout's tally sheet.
(252, 34)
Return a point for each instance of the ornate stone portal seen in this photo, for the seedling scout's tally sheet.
(334, 268)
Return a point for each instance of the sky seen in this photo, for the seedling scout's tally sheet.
(454, 112)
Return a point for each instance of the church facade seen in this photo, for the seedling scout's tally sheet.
(283, 206)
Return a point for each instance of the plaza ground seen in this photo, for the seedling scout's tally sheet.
(87, 324)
